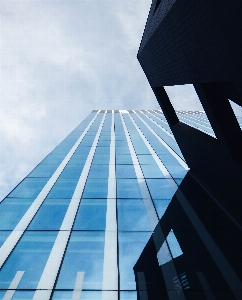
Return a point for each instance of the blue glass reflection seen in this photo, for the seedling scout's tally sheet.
(131, 244)
(96, 188)
(30, 255)
(29, 188)
(161, 206)
(128, 188)
(50, 215)
(128, 295)
(85, 295)
(84, 254)
(91, 215)
(19, 295)
(132, 216)
(63, 188)
(3, 236)
(125, 171)
(160, 189)
(11, 211)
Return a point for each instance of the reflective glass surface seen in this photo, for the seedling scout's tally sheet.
(99, 235)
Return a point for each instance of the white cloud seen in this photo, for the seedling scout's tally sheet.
(59, 61)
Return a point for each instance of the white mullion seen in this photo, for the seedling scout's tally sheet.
(22, 225)
(158, 235)
(52, 266)
(223, 265)
(149, 207)
(110, 262)
(174, 154)
(163, 129)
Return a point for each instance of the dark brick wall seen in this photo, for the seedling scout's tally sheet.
(197, 41)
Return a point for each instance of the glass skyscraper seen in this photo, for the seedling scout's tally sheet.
(76, 225)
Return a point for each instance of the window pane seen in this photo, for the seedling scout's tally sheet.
(29, 188)
(128, 188)
(96, 188)
(84, 254)
(12, 210)
(30, 255)
(50, 215)
(132, 216)
(91, 215)
(131, 245)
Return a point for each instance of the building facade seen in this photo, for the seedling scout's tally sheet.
(199, 43)
(75, 227)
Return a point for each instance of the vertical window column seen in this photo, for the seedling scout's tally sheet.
(52, 266)
(110, 263)
(18, 231)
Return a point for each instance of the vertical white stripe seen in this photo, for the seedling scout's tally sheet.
(78, 286)
(110, 263)
(52, 266)
(168, 133)
(173, 153)
(13, 285)
(223, 265)
(158, 235)
(16, 234)
(149, 207)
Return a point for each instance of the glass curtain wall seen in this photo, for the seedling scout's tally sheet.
(76, 225)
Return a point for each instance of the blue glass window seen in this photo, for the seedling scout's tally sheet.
(152, 171)
(30, 255)
(84, 254)
(123, 159)
(50, 215)
(173, 166)
(29, 188)
(11, 212)
(131, 245)
(96, 188)
(91, 215)
(63, 188)
(101, 159)
(19, 295)
(98, 171)
(3, 236)
(161, 206)
(43, 170)
(128, 295)
(125, 171)
(71, 171)
(132, 216)
(160, 189)
(128, 188)
(85, 295)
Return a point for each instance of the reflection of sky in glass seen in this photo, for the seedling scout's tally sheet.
(85, 248)
(91, 215)
(90, 295)
(84, 254)
(170, 248)
(131, 244)
(30, 255)
(11, 212)
(132, 215)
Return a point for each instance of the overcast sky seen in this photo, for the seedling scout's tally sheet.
(59, 61)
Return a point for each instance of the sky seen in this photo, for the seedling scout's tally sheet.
(59, 60)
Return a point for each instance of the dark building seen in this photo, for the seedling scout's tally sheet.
(198, 42)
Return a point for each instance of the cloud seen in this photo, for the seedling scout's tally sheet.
(59, 61)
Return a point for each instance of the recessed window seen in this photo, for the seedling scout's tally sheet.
(188, 107)
(237, 109)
